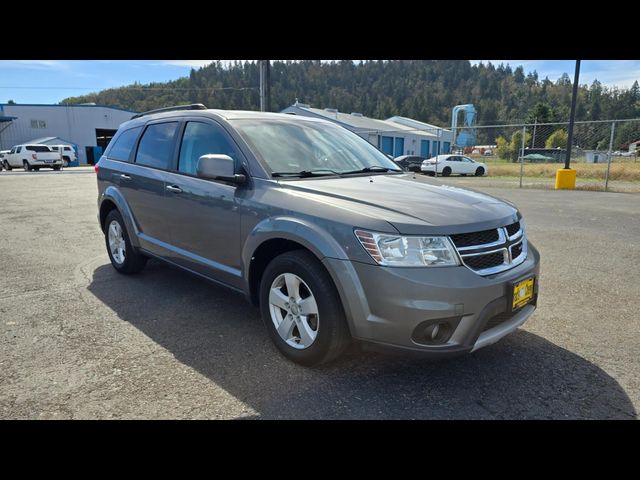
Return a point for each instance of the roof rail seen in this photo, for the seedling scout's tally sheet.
(193, 106)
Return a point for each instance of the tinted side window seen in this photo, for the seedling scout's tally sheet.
(202, 139)
(157, 144)
(38, 148)
(121, 149)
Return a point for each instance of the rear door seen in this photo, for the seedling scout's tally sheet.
(204, 214)
(143, 184)
(455, 164)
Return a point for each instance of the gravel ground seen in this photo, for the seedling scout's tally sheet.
(81, 341)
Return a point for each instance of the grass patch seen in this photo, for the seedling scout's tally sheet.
(629, 172)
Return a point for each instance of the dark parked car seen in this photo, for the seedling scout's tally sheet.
(319, 229)
(410, 162)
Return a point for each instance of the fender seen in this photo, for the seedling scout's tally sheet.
(113, 193)
(310, 235)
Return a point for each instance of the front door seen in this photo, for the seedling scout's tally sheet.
(204, 214)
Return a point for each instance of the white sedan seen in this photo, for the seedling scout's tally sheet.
(453, 164)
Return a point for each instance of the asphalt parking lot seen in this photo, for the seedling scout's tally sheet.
(81, 341)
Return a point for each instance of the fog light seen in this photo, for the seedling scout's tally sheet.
(437, 333)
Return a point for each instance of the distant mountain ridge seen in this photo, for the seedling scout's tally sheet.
(425, 90)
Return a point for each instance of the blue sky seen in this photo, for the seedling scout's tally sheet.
(49, 81)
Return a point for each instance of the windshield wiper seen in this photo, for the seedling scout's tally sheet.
(375, 168)
(306, 173)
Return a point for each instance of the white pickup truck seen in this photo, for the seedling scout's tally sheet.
(67, 152)
(32, 157)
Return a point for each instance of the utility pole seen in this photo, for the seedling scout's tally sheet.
(261, 65)
(267, 90)
(265, 85)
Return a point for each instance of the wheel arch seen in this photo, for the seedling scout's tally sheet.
(274, 236)
(112, 199)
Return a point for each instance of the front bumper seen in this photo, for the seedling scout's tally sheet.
(428, 168)
(390, 308)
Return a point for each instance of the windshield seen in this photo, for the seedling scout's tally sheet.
(304, 147)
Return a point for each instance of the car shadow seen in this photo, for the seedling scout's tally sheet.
(219, 334)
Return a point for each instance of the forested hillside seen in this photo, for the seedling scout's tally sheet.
(424, 90)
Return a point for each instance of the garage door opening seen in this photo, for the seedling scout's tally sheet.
(103, 137)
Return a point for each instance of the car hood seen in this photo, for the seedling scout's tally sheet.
(413, 204)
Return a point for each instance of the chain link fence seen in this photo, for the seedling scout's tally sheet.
(604, 153)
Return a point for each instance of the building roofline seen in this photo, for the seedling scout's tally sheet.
(47, 139)
(321, 117)
(2, 105)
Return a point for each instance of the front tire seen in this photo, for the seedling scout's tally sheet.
(479, 172)
(123, 257)
(446, 171)
(7, 167)
(302, 310)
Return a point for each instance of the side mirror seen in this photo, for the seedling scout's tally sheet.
(218, 167)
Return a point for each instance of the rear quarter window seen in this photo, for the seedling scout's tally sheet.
(38, 148)
(121, 148)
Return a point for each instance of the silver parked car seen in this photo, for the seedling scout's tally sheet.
(319, 229)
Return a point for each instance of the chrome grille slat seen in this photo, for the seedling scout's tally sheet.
(485, 259)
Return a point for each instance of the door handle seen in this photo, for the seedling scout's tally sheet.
(125, 177)
(174, 188)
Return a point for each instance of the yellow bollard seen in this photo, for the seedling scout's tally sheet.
(565, 179)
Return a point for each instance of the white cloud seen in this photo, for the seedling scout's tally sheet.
(35, 64)
(187, 63)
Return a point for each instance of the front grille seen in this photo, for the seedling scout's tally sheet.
(516, 250)
(472, 239)
(492, 251)
(480, 262)
(513, 228)
(498, 319)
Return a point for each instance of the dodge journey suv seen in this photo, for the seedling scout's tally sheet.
(319, 229)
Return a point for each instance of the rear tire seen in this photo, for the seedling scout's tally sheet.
(331, 335)
(127, 260)
(56, 168)
(479, 172)
(26, 167)
(446, 171)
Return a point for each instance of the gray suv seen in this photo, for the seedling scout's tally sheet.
(319, 229)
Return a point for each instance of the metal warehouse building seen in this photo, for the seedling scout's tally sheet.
(87, 127)
(395, 136)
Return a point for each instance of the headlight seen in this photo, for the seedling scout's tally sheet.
(408, 251)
